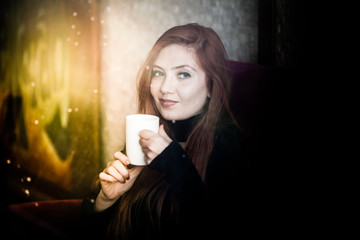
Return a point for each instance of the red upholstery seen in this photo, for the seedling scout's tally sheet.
(55, 219)
(251, 104)
(251, 94)
(254, 96)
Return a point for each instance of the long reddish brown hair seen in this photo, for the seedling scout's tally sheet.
(150, 188)
(212, 57)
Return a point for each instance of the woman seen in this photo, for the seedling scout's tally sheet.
(195, 160)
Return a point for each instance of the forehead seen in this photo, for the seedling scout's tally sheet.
(176, 55)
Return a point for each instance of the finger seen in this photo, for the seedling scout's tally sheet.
(114, 173)
(106, 177)
(149, 157)
(146, 134)
(121, 169)
(144, 143)
(163, 134)
(146, 149)
(122, 157)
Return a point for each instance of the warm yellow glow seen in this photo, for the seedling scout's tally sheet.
(40, 72)
(49, 79)
(51, 63)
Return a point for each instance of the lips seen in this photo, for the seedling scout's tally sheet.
(167, 102)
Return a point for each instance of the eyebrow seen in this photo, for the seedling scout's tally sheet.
(177, 67)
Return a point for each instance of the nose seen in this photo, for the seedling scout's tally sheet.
(168, 85)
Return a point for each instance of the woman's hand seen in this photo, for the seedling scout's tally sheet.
(115, 179)
(153, 143)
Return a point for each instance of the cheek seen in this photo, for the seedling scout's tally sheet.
(193, 95)
(154, 89)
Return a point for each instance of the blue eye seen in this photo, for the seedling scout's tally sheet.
(184, 75)
(156, 74)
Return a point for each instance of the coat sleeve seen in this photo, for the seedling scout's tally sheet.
(94, 224)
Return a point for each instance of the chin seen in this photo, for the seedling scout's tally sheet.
(173, 115)
(170, 115)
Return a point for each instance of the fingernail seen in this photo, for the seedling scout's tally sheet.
(127, 162)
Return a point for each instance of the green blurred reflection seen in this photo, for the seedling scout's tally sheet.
(49, 104)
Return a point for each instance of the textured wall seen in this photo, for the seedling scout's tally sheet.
(130, 28)
(289, 34)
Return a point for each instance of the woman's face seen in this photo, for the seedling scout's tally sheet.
(178, 84)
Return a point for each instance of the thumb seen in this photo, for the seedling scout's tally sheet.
(163, 134)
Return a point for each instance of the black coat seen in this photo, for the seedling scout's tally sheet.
(222, 205)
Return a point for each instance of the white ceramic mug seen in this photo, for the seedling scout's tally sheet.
(134, 124)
